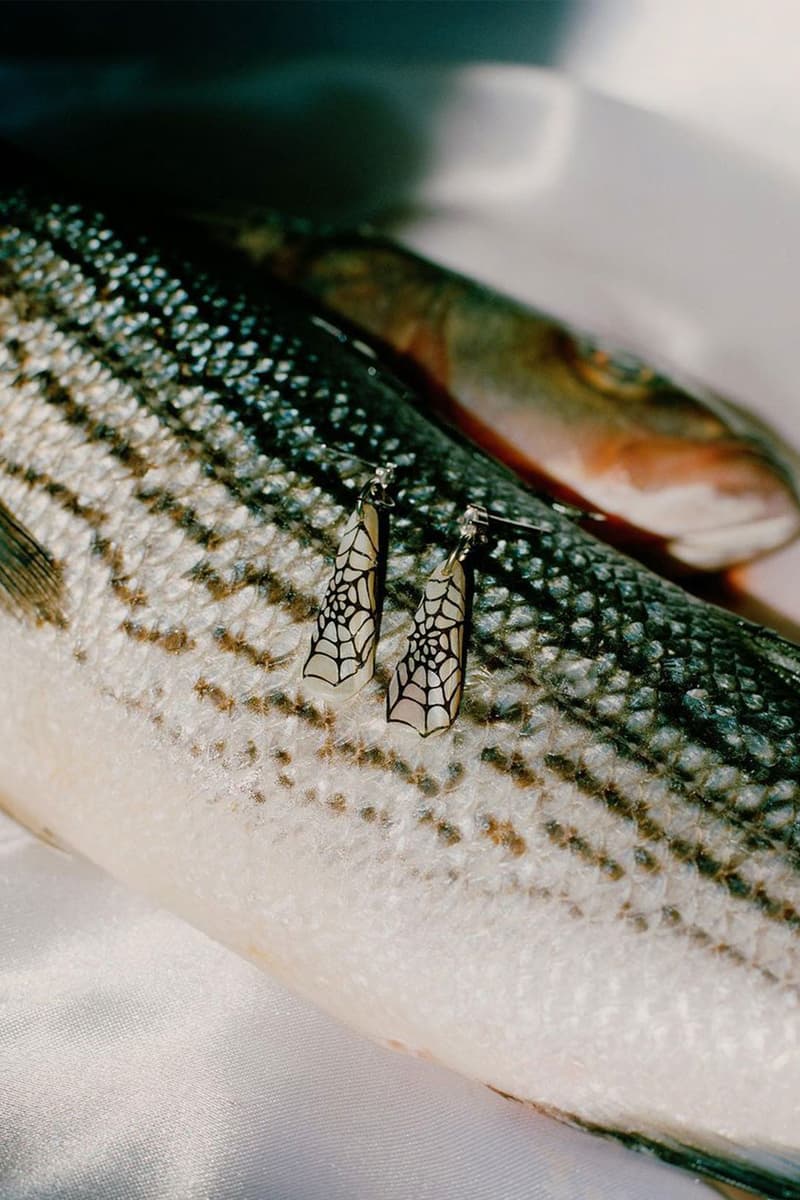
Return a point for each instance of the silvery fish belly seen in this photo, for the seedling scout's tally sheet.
(584, 893)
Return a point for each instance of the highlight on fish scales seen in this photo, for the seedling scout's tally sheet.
(682, 475)
(584, 891)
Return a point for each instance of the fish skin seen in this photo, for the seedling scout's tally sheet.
(585, 894)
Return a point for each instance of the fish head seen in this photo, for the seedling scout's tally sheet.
(665, 461)
(682, 476)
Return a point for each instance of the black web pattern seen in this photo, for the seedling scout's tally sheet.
(343, 644)
(425, 690)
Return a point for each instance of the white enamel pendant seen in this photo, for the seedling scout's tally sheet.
(342, 655)
(425, 690)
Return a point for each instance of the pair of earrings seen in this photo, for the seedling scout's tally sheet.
(425, 689)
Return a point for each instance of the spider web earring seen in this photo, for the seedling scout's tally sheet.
(425, 689)
(341, 659)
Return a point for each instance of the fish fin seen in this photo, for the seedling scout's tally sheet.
(767, 1172)
(764, 1172)
(31, 581)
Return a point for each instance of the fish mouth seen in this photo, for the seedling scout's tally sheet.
(720, 548)
(684, 508)
(713, 505)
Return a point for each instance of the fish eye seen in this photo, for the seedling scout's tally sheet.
(615, 372)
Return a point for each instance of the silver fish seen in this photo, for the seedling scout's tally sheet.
(586, 893)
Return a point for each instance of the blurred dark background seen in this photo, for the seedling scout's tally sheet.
(329, 107)
(184, 87)
(190, 36)
(210, 102)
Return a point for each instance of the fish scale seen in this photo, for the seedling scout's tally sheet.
(596, 863)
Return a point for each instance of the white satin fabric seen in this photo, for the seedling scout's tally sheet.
(138, 1059)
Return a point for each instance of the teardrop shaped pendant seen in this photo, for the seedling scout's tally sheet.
(341, 659)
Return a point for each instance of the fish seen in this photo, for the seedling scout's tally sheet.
(585, 893)
(685, 479)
